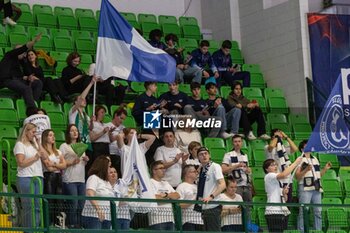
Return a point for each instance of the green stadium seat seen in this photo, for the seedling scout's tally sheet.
(59, 56)
(9, 117)
(252, 68)
(273, 92)
(118, 82)
(276, 118)
(337, 217)
(19, 29)
(331, 188)
(58, 120)
(38, 9)
(135, 24)
(3, 41)
(6, 103)
(185, 88)
(25, 7)
(257, 80)
(336, 231)
(344, 173)
(45, 43)
(284, 126)
(259, 186)
(59, 10)
(217, 154)
(188, 21)
(214, 142)
(324, 158)
(17, 39)
(257, 172)
(80, 34)
(146, 18)
(225, 91)
(63, 44)
(46, 20)
(129, 16)
(26, 19)
(188, 42)
(236, 56)
(98, 15)
(56, 32)
(79, 12)
(168, 28)
(88, 23)
(258, 156)
(7, 131)
(85, 45)
(168, 19)
(130, 122)
(191, 31)
(347, 187)
(297, 118)
(147, 27)
(277, 105)
(21, 109)
(33, 31)
(60, 66)
(302, 130)
(330, 174)
(235, 44)
(1, 51)
(214, 44)
(138, 87)
(50, 106)
(67, 22)
(86, 58)
(250, 92)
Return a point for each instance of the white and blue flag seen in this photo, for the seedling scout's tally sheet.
(122, 52)
(331, 133)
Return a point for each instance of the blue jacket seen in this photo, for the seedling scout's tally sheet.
(222, 62)
(201, 60)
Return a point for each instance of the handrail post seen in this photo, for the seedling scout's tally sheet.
(114, 216)
(178, 216)
(244, 218)
(306, 218)
(32, 191)
(46, 220)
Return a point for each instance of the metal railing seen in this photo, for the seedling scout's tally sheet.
(332, 216)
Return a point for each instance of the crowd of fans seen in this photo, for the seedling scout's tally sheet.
(180, 167)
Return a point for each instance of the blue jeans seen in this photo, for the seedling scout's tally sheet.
(221, 113)
(95, 223)
(123, 224)
(232, 228)
(166, 226)
(193, 72)
(307, 197)
(75, 206)
(233, 117)
(23, 186)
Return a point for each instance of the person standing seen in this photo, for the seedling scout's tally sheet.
(211, 183)
(310, 188)
(277, 216)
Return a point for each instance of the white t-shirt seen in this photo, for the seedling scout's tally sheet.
(102, 188)
(54, 159)
(232, 158)
(231, 219)
(41, 121)
(274, 195)
(164, 212)
(75, 173)
(184, 138)
(28, 151)
(98, 128)
(113, 147)
(172, 173)
(188, 191)
(213, 175)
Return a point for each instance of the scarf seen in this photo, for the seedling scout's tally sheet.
(282, 156)
(312, 179)
(201, 185)
(239, 158)
(82, 124)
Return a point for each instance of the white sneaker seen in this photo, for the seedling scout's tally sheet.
(264, 137)
(9, 21)
(241, 135)
(251, 136)
(225, 135)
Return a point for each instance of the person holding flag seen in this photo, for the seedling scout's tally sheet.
(310, 188)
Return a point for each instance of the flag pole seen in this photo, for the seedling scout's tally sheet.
(94, 100)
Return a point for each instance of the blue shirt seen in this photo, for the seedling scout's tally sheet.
(197, 105)
(201, 60)
(180, 98)
(222, 62)
(142, 102)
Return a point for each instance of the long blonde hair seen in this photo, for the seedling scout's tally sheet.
(23, 135)
(44, 142)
